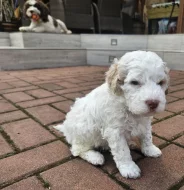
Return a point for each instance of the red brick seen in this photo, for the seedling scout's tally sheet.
(176, 82)
(6, 106)
(163, 115)
(110, 165)
(86, 92)
(67, 84)
(78, 174)
(73, 96)
(159, 173)
(74, 80)
(5, 86)
(40, 93)
(19, 83)
(157, 141)
(46, 81)
(79, 89)
(6, 76)
(46, 114)
(11, 116)
(18, 97)
(176, 88)
(180, 140)
(50, 86)
(30, 79)
(170, 99)
(176, 106)
(5, 148)
(98, 83)
(39, 102)
(179, 94)
(170, 127)
(19, 165)
(31, 183)
(18, 89)
(27, 133)
(64, 106)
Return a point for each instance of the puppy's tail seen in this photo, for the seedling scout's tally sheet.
(59, 127)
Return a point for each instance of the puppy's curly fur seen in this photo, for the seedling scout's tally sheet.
(120, 108)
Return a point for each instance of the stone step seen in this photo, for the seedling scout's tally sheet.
(5, 42)
(4, 35)
(18, 59)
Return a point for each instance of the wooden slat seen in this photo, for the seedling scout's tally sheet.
(162, 12)
(180, 25)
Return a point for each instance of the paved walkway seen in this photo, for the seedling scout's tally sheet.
(35, 157)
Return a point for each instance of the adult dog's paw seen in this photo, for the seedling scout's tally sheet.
(23, 29)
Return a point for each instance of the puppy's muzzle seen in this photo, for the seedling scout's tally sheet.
(152, 104)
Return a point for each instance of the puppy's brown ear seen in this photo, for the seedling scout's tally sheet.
(113, 80)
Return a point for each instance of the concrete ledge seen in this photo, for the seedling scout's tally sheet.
(18, 59)
(42, 50)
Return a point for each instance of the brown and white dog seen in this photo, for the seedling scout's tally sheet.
(41, 20)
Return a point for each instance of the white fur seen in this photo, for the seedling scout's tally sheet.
(117, 110)
(40, 26)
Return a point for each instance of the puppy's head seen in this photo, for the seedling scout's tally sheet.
(142, 79)
(36, 7)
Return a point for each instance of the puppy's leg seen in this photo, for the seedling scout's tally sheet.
(147, 146)
(27, 28)
(39, 29)
(85, 152)
(93, 157)
(63, 26)
(121, 154)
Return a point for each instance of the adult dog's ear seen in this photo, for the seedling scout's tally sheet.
(44, 11)
(25, 7)
(113, 79)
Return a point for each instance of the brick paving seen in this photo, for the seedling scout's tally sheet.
(35, 156)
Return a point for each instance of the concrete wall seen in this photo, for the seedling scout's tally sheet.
(31, 50)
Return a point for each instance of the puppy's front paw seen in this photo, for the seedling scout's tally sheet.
(22, 29)
(130, 170)
(151, 151)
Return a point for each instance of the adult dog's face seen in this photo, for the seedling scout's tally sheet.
(36, 7)
(142, 78)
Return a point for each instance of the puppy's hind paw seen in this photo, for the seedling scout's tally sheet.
(93, 157)
(69, 32)
(130, 170)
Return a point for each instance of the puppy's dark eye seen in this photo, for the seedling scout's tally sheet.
(161, 82)
(134, 82)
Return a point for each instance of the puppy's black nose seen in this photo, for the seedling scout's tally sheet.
(152, 104)
(31, 11)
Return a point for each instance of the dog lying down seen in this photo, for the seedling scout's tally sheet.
(41, 21)
(120, 108)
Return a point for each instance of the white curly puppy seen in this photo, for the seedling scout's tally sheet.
(120, 108)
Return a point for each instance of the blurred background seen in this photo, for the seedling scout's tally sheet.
(103, 16)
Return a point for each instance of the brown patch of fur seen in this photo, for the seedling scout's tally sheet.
(113, 80)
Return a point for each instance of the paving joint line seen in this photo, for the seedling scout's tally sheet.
(178, 185)
(36, 172)
(36, 120)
